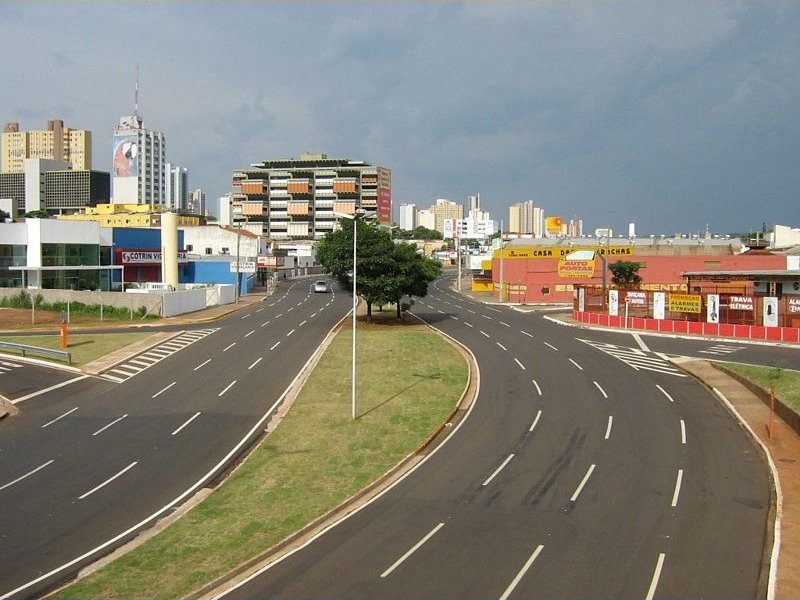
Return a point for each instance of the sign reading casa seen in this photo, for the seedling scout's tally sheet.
(561, 251)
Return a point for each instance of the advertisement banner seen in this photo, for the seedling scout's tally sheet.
(553, 225)
(560, 251)
(741, 303)
(688, 303)
(712, 308)
(126, 156)
(580, 269)
(794, 305)
(613, 303)
(146, 257)
(770, 311)
(659, 305)
(636, 298)
(581, 299)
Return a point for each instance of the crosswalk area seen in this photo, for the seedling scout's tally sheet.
(6, 366)
(129, 368)
(637, 358)
(721, 350)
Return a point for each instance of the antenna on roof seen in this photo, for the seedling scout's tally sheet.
(136, 94)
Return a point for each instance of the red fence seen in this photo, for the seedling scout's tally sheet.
(638, 312)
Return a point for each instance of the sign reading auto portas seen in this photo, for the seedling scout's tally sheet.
(576, 269)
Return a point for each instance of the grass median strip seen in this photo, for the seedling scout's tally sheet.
(409, 381)
(83, 347)
(787, 381)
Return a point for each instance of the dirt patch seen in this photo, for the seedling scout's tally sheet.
(21, 318)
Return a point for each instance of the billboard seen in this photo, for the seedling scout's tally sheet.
(688, 303)
(581, 269)
(125, 169)
(552, 225)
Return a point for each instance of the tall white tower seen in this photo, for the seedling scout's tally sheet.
(137, 174)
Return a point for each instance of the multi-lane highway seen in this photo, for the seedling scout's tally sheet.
(589, 466)
(93, 459)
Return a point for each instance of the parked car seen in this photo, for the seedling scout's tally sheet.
(321, 287)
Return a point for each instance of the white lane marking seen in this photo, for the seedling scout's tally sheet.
(468, 324)
(484, 333)
(535, 421)
(290, 333)
(576, 364)
(663, 391)
(525, 333)
(583, 483)
(501, 345)
(260, 309)
(247, 315)
(258, 360)
(109, 480)
(487, 317)
(538, 389)
(413, 549)
(312, 315)
(28, 474)
(656, 576)
(302, 323)
(201, 365)
(506, 324)
(69, 412)
(229, 347)
(683, 432)
(192, 418)
(602, 391)
(521, 574)
(247, 335)
(51, 388)
(161, 391)
(677, 491)
(230, 385)
(440, 311)
(279, 316)
(457, 306)
(521, 366)
(498, 469)
(640, 342)
(551, 346)
(472, 311)
(608, 427)
(275, 345)
(102, 429)
(454, 318)
(264, 324)
(494, 309)
(291, 309)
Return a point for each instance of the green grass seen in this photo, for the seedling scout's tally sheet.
(409, 381)
(787, 381)
(83, 347)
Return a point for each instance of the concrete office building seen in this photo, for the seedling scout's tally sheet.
(426, 218)
(445, 210)
(197, 202)
(73, 146)
(525, 218)
(299, 198)
(52, 186)
(408, 217)
(139, 163)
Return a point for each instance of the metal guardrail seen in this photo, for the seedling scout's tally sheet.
(25, 348)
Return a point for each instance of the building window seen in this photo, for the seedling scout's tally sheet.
(189, 247)
(208, 250)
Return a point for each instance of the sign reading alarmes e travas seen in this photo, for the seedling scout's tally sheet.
(688, 303)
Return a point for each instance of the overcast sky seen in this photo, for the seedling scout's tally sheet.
(674, 115)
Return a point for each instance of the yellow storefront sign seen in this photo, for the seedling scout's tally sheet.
(561, 251)
(688, 303)
(580, 269)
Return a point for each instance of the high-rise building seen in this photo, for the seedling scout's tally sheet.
(300, 198)
(444, 210)
(197, 202)
(408, 216)
(474, 203)
(426, 218)
(57, 142)
(139, 159)
(176, 193)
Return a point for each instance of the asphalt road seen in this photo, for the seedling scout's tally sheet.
(575, 474)
(89, 463)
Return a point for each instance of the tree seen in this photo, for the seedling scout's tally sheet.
(385, 271)
(375, 263)
(420, 233)
(3, 216)
(37, 214)
(625, 273)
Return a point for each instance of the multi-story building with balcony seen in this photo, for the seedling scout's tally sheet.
(300, 198)
(57, 142)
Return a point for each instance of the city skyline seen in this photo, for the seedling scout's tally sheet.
(674, 116)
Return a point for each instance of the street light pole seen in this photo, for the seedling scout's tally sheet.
(355, 301)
